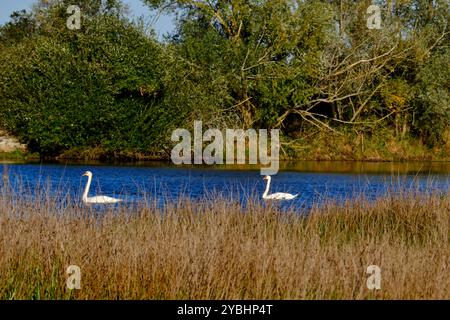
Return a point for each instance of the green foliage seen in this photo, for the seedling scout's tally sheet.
(62, 88)
(295, 65)
(260, 56)
(432, 98)
(19, 27)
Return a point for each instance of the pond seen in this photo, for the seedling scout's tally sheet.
(315, 182)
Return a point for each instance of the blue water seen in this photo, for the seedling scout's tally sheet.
(136, 183)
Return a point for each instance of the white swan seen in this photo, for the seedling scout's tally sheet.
(278, 195)
(97, 199)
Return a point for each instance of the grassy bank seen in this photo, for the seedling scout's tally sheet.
(381, 145)
(215, 249)
(319, 145)
(18, 155)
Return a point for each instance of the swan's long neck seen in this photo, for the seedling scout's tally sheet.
(267, 187)
(86, 189)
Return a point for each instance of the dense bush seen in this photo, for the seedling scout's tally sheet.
(432, 98)
(112, 85)
(100, 85)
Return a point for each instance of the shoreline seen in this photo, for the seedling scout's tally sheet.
(324, 146)
(15, 155)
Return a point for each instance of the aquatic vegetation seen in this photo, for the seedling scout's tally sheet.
(215, 248)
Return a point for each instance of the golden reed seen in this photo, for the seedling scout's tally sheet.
(216, 248)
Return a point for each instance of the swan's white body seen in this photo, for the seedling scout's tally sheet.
(97, 199)
(278, 195)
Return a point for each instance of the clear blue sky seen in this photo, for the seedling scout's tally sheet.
(137, 8)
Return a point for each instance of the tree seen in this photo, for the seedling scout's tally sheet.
(276, 61)
(63, 89)
(262, 53)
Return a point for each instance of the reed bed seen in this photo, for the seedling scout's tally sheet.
(215, 248)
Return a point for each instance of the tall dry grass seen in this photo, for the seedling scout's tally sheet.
(217, 249)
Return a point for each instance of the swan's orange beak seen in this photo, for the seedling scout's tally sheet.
(84, 174)
(265, 178)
